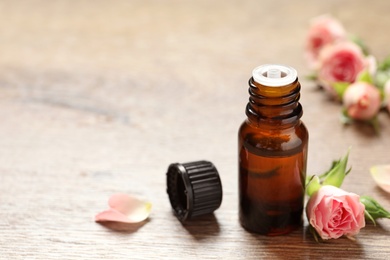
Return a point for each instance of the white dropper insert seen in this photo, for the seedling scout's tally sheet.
(274, 75)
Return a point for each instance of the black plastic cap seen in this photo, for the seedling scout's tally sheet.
(194, 189)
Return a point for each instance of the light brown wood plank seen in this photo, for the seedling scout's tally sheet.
(99, 97)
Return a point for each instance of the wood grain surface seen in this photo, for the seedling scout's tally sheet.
(99, 97)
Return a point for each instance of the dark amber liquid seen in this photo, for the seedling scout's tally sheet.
(271, 183)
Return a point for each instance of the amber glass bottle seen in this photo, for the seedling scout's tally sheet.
(272, 153)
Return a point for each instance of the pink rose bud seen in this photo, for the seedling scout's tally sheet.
(333, 212)
(323, 30)
(340, 62)
(362, 101)
(387, 94)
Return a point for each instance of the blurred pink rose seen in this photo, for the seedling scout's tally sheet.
(334, 212)
(340, 62)
(387, 94)
(362, 100)
(371, 65)
(323, 30)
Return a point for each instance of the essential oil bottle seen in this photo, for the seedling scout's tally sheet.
(272, 149)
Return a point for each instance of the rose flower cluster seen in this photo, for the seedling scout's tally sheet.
(346, 71)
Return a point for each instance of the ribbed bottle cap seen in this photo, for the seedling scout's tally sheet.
(194, 189)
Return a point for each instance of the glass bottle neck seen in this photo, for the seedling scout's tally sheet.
(274, 106)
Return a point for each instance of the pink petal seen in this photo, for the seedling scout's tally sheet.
(381, 175)
(126, 209)
(111, 215)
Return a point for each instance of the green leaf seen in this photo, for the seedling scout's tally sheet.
(373, 209)
(381, 77)
(313, 76)
(340, 88)
(315, 234)
(336, 175)
(364, 76)
(385, 64)
(344, 117)
(334, 163)
(313, 185)
(368, 216)
(358, 41)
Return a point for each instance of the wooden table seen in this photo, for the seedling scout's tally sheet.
(99, 97)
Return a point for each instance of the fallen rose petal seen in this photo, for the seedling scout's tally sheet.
(381, 175)
(111, 215)
(126, 209)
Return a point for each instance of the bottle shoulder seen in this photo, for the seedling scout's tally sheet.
(248, 127)
(257, 138)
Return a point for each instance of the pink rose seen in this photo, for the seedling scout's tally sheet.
(334, 212)
(340, 62)
(323, 30)
(371, 65)
(387, 93)
(362, 100)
